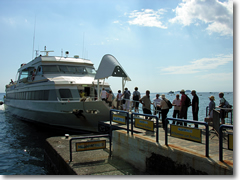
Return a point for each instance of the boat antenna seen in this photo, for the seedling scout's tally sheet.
(34, 36)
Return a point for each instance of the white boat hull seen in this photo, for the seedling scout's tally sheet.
(61, 113)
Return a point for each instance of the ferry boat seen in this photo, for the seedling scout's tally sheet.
(62, 91)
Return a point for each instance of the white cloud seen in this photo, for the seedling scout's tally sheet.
(199, 65)
(217, 15)
(217, 77)
(147, 17)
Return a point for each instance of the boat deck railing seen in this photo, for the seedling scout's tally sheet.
(77, 99)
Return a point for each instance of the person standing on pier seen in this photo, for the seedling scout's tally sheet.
(136, 97)
(146, 102)
(222, 105)
(176, 104)
(156, 103)
(126, 99)
(110, 98)
(211, 106)
(104, 95)
(195, 106)
(184, 106)
(164, 109)
(119, 99)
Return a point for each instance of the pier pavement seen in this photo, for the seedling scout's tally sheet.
(98, 162)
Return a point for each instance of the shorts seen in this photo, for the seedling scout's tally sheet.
(146, 111)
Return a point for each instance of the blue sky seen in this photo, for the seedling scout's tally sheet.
(163, 45)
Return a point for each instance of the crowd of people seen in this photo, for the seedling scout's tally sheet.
(162, 104)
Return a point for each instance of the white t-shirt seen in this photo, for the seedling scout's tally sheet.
(177, 102)
(104, 94)
(156, 102)
(119, 96)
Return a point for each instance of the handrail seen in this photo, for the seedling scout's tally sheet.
(189, 121)
(146, 115)
(120, 111)
(85, 137)
(127, 119)
(229, 109)
(221, 141)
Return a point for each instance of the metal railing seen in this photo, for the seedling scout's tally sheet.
(119, 111)
(226, 109)
(193, 122)
(166, 131)
(134, 114)
(146, 115)
(221, 140)
(86, 137)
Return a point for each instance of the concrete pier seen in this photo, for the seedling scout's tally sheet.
(92, 162)
(140, 154)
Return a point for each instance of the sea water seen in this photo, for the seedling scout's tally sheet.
(22, 143)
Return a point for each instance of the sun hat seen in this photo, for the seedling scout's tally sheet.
(212, 98)
(182, 91)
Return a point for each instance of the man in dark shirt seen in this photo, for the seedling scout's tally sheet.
(195, 107)
(184, 107)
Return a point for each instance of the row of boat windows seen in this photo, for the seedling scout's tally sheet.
(68, 69)
(57, 69)
(29, 95)
(45, 94)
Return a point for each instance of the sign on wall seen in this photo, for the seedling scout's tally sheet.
(186, 133)
(90, 145)
(119, 119)
(144, 124)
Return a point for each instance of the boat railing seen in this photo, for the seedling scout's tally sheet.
(77, 99)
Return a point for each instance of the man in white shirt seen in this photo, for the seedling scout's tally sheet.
(156, 103)
(177, 107)
(146, 102)
(104, 95)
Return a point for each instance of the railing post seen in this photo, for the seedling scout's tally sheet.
(220, 144)
(132, 124)
(166, 133)
(221, 141)
(207, 140)
(157, 132)
(70, 149)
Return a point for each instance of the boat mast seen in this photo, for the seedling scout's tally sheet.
(34, 36)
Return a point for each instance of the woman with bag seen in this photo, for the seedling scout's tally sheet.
(164, 109)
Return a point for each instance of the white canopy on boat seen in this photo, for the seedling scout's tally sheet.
(109, 66)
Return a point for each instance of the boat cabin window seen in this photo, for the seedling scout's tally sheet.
(50, 69)
(39, 70)
(91, 70)
(63, 69)
(24, 74)
(65, 93)
(55, 69)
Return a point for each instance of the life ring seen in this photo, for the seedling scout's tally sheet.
(33, 74)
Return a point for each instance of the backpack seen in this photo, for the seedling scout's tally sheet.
(135, 96)
(227, 105)
(127, 95)
(187, 101)
(168, 103)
